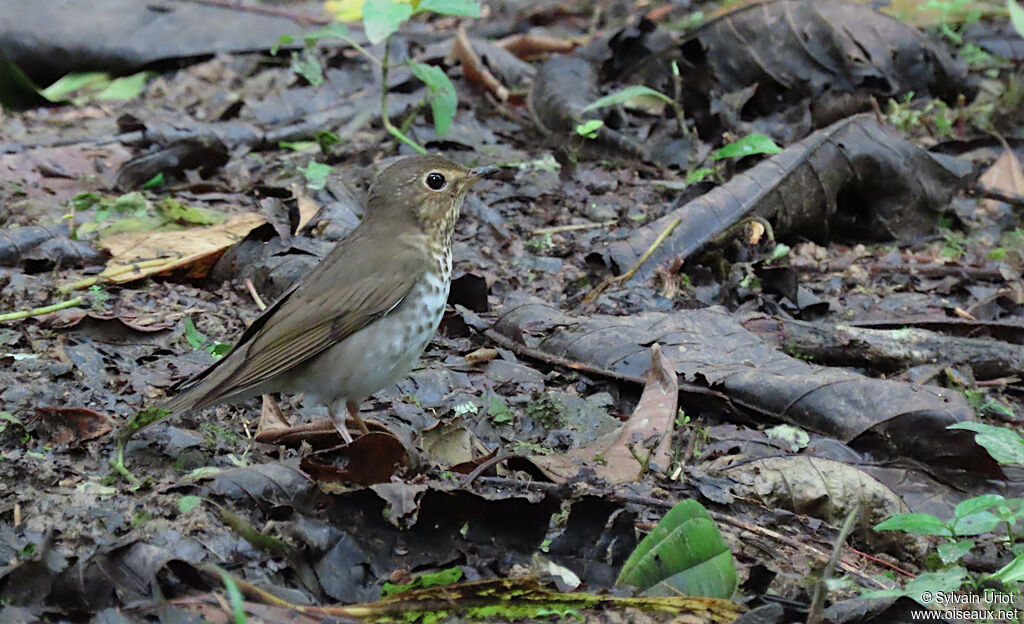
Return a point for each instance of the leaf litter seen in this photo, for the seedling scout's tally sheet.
(554, 225)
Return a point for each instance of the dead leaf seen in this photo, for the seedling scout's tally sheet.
(1005, 174)
(139, 254)
(70, 426)
(647, 433)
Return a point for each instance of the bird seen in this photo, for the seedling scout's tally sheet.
(359, 321)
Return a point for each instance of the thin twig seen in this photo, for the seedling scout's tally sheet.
(555, 229)
(110, 273)
(390, 127)
(63, 305)
(628, 275)
(255, 295)
(816, 612)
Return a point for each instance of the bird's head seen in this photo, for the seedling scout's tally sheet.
(428, 188)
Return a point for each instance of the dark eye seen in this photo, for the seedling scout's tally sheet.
(435, 181)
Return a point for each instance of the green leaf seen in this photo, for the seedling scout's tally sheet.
(976, 504)
(192, 335)
(219, 349)
(589, 128)
(465, 8)
(443, 100)
(382, 18)
(1016, 16)
(64, 87)
(174, 211)
(951, 553)
(623, 95)
(316, 175)
(498, 411)
(916, 523)
(16, 88)
(307, 65)
(685, 553)
(334, 29)
(127, 88)
(976, 524)
(133, 204)
(298, 146)
(282, 40)
(1005, 446)
(1011, 572)
(188, 503)
(234, 597)
(747, 146)
(697, 175)
(155, 181)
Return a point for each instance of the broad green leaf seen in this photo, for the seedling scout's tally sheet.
(684, 553)
(58, 91)
(465, 8)
(928, 583)
(1005, 446)
(133, 203)
(381, 18)
(127, 88)
(976, 504)
(188, 503)
(951, 553)
(916, 523)
(976, 524)
(307, 65)
(1011, 572)
(626, 94)
(589, 128)
(498, 411)
(1016, 16)
(443, 99)
(747, 146)
(316, 175)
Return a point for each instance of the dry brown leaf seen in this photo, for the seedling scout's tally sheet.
(473, 68)
(139, 254)
(1005, 174)
(651, 421)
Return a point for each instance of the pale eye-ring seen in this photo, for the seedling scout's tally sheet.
(436, 181)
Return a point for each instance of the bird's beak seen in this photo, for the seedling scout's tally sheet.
(478, 173)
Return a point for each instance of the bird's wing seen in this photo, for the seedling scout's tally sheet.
(341, 296)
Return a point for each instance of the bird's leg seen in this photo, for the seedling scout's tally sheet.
(339, 422)
(353, 411)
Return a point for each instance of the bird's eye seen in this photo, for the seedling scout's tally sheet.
(436, 181)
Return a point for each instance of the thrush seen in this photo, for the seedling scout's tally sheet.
(360, 320)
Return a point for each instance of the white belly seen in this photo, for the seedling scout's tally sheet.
(381, 353)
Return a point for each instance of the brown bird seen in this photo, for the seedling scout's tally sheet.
(360, 319)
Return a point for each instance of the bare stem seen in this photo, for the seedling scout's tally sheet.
(63, 305)
(395, 132)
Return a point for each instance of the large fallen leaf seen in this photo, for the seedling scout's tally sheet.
(647, 433)
(685, 554)
(1005, 174)
(830, 183)
(708, 347)
(139, 254)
